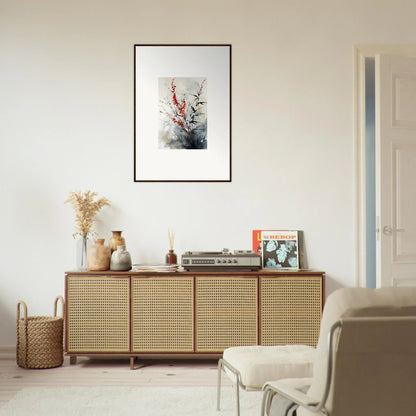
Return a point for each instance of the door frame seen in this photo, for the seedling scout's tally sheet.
(360, 53)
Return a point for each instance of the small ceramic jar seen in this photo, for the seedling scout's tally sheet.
(116, 240)
(120, 259)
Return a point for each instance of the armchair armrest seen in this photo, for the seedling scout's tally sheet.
(291, 389)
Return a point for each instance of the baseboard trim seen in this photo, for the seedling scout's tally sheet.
(7, 351)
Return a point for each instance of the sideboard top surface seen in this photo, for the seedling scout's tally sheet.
(261, 272)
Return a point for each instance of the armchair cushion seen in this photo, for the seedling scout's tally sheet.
(259, 363)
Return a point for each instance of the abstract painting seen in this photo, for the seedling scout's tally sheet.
(183, 113)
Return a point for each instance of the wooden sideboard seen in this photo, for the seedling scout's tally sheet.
(186, 314)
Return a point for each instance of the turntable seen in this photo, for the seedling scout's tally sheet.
(221, 260)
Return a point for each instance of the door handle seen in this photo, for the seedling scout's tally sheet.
(389, 231)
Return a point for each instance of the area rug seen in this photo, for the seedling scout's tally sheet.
(129, 401)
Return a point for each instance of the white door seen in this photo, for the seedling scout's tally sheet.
(396, 170)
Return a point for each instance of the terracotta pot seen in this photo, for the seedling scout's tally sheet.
(116, 240)
(98, 256)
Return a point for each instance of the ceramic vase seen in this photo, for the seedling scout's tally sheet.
(120, 259)
(98, 256)
(171, 258)
(116, 240)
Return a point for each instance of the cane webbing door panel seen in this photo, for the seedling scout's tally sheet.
(226, 312)
(162, 314)
(290, 310)
(97, 314)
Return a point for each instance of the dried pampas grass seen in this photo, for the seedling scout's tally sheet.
(85, 210)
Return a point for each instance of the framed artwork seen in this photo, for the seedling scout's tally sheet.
(182, 113)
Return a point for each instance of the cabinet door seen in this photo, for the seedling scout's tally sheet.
(290, 310)
(97, 314)
(226, 312)
(162, 314)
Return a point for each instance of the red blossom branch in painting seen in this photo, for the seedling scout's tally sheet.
(202, 86)
(179, 116)
(185, 115)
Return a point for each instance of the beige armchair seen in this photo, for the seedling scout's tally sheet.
(365, 363)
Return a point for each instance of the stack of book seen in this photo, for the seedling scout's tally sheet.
(155, 267)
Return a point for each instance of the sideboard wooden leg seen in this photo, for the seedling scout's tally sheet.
(72, 360)
(132, 363)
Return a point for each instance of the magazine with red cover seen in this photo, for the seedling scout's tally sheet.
(257, 241)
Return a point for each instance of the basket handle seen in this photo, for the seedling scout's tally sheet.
(59, 298)
(22, 342)
(19, 304)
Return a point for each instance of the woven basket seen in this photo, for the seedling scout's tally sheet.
(39, 339)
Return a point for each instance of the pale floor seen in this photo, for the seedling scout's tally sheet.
(107, 372)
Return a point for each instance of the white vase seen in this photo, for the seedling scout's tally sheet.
(120, 259)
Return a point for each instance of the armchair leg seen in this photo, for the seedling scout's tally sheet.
(221, 365)
(266, 401)
(219, 383)
(237, 389)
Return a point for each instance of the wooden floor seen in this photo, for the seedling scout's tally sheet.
(106, 372)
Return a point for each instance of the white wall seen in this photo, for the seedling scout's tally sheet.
(66, 108)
